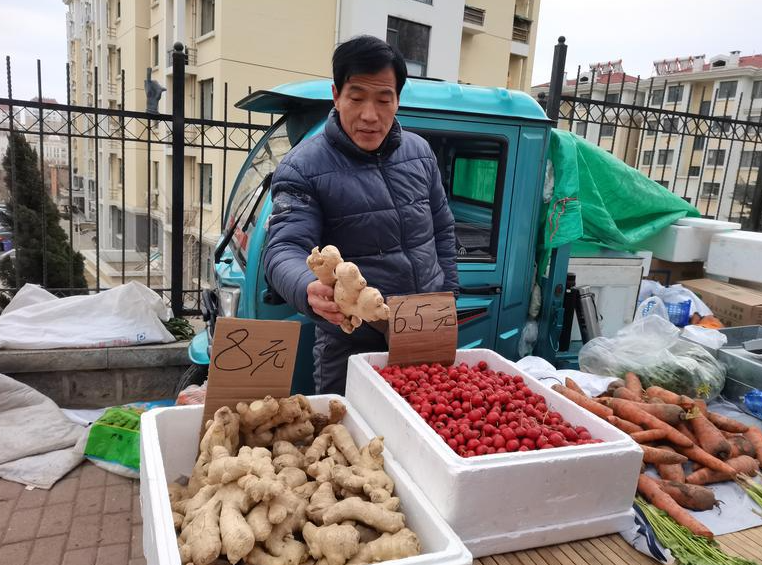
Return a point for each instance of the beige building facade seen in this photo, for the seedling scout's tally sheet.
(240, 46)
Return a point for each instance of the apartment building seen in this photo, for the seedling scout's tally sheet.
(240, 46)
(711, 171)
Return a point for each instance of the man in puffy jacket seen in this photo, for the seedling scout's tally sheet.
(372, 190)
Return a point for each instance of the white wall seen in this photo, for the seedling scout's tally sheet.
(445, 18)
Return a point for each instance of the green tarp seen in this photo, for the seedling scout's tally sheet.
(600, 199)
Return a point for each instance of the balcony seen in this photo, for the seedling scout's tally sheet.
(190, 53)
(521, 29)
(473, 20)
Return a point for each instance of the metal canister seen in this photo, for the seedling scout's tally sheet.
(587, 314)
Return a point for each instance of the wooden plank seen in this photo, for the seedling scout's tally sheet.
(606, 555)
(539, 559)
(631, 552)
(579, 554)
(739, 545)
(506, 559)
(626, 555)
(524, 558)
(752, 538)
(553, 554)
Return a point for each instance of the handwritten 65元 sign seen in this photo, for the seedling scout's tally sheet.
(250, 359)
(423, 328)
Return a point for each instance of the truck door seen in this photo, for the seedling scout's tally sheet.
(476, 162)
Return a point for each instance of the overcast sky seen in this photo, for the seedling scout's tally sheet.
(642, 31)
(637, 31)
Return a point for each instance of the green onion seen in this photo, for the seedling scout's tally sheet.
(686, 548)
(180, 328)
(751, 488)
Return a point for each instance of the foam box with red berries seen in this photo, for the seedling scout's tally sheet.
(506, 501)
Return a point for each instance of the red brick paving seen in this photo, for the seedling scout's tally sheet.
(90, 517)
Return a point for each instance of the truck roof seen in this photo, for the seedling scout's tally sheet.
(421, 94)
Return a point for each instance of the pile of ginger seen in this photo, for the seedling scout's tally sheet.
(278, 484)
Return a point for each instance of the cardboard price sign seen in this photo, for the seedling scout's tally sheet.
(250, 359)
(423, 328)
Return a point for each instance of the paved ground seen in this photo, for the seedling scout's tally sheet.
(90, 517)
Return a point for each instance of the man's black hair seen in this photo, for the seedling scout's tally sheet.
(365, 54)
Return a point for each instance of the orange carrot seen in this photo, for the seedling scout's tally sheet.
(754, 435)
(695, 453)
(655, 400)
(627, 394)
(583, 401)
(741, 464)
(710, 438)
(657, 456)
(726, 424)
(668, 413)
(570, 384)
(632, 383)
(670, 397)
(649, 488)
(671, 472)
(740, 446)
(624, 425)
(613, 385)
(648, 436)
(684, 429)
(632, 412)
(693, 497)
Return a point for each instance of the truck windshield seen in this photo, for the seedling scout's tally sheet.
(249, 194)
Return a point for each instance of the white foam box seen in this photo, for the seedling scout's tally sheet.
(506, 501)
(687, 240)
(168, 448)
(736, 255)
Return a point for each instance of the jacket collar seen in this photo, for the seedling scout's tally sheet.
(338, 138)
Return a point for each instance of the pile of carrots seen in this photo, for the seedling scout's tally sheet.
(673, 429)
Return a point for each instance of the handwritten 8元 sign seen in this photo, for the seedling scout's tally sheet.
(250, 359)
(423, 328)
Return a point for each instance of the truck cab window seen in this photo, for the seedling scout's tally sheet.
(473, 174)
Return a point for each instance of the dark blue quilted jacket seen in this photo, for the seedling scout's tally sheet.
(386, 211)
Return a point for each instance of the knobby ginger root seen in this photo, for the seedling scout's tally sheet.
(376, 485)
(200, 540)
(222, 430)
(236, 535)
(336, 413)
(323, 499)
(355, 299)
(225, 468)
(318, 449)
(335, 543)
(344, 443)
(373, 515)
(321, 471)
(293, 554)
(389, 546)
(258, 522)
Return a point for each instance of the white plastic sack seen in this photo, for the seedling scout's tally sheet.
(705, 336)
(674, 294)
(129, 314)
(540, 369)
(651, 306)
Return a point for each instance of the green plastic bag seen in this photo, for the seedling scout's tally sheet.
(115, 439)
(599, 199)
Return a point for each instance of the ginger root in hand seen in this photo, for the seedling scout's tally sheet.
(351, 293)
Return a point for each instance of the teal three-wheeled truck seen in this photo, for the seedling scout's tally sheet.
(491, 147)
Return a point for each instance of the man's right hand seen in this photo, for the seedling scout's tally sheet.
(320, 299)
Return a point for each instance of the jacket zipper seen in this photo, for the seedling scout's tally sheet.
(403, 235)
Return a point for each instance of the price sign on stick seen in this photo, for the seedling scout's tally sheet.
(250, 359)
(423, 328)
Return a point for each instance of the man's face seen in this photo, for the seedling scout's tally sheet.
(367, 105)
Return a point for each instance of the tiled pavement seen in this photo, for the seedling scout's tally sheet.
(90, 517)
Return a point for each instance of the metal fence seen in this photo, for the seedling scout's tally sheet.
(140, 135)
(712, 158)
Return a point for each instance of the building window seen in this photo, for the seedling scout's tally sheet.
(118, 63)
(670, 124)
(207, 98)
(694, 171)
(207, 16)
(715, 157)
(664, 183)
(412, 40)
(155, 176)
(756, 89)
(710, 189)
(581, 129)
(699, 142)
(118, 9)
(155, 51)
(651, 127)
(648, 157)
(657, 97)
(675, 94)
(205, 170)
(607, 130)
(613, 98)
(705, 107)
(155, 229)
(751, 159)
(727, 89)
(665, 156)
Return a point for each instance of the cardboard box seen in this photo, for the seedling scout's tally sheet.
(734, 305)
(506, 501)
(668, 273)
